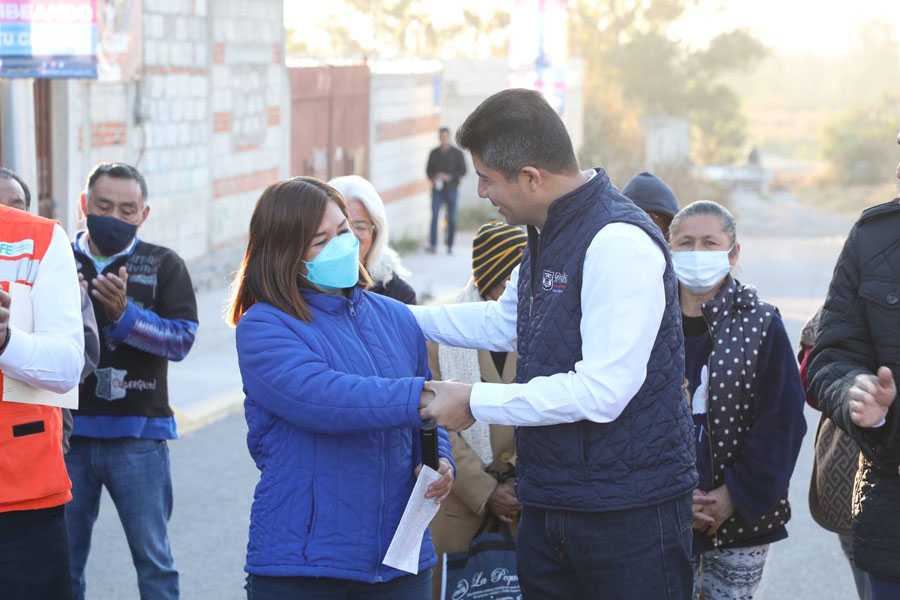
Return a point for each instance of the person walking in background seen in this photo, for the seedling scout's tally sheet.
(604, 442)
(484, 454)
(853, 369)
(835, 462)
(369, 223)
(747, 400)
(446, 166)
(147, 314)
(34, 485)
(654, 197)
(333, 376)
(14, 193)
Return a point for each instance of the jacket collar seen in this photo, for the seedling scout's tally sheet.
(333, 303)
(574, 200)
(732, 296)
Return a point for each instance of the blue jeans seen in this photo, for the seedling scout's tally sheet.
(638, 553)
(136, 474)
(34, 555)
(410, 587)
(447, 199)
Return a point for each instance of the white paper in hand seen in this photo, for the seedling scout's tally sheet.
(403, 553)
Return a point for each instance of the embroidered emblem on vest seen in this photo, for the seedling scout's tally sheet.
(110, 383)
(554, 281)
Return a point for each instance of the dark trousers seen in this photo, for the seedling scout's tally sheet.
(34, 555)
(410, 587)
(447, 199)
(883, 589)
(639, 553)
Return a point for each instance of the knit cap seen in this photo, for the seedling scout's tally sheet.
(651, 194)
(496, 251)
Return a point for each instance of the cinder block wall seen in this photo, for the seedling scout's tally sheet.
(208, 123)
(404, 120)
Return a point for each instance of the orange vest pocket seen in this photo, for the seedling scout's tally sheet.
(31, 459)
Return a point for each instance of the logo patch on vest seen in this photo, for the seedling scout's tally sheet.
(554, 281)
(16, 249)
(111, 384)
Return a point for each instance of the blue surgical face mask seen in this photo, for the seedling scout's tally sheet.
(337, 265)
(110, 234)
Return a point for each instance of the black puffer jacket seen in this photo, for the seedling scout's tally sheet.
(859, 332)
(397, 289)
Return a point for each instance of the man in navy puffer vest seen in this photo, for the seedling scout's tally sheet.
(605, 466)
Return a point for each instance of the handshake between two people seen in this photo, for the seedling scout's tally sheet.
(447, 402)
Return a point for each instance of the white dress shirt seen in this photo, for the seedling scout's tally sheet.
(622, 305)
(51, 357)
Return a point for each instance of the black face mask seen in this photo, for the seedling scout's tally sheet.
(109, 234)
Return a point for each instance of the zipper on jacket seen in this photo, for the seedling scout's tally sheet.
(712, 464)
(382, 435)
(381, 503)
(534, 243)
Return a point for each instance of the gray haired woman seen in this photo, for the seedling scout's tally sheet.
(747, 400)
(369, 223)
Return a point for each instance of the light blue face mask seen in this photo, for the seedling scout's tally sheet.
(337, 265)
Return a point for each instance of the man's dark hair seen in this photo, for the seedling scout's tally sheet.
(9, 174)
(119, 171)
(444, 130)
(517, 128)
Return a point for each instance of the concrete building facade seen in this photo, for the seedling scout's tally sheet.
(404, 109)
(207, 122)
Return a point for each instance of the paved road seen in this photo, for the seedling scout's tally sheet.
(788, 252)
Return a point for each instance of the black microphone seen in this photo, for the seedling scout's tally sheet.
(429, 436)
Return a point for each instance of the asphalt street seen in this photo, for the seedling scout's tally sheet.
(787, 251)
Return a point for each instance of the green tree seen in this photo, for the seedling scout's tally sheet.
(860, 144)
(627, 48)
(404, 28)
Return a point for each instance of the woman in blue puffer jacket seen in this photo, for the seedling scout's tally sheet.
(333, 377)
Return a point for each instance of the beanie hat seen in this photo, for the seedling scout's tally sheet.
(651, 194)
(496, 251)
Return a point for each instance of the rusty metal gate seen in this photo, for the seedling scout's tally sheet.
(330, 121)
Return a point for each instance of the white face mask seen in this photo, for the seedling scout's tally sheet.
(701, 271)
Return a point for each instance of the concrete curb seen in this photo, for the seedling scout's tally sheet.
(207, 413)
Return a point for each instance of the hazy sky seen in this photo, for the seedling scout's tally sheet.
(819, 26)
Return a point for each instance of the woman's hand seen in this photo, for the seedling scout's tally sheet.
(503, 501)
(871, 396)
(721, 510)
(440, 489)
(702, 521)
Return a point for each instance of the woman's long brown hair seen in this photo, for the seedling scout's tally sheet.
(283, 225)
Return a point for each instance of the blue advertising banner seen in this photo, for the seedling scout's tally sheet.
(48, 39)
